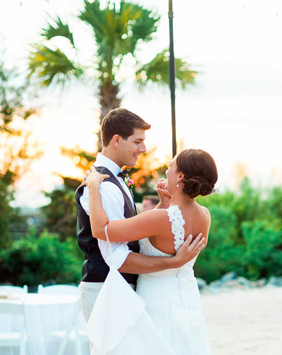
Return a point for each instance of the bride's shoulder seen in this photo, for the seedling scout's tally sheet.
(154, 212)
(157, 214)
(206, 212)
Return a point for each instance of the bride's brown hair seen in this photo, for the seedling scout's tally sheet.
(200, 172)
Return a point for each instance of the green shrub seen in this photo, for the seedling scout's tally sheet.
(33, 261)
(60, 214)
(263, 253)
(5, 212)
(221, 254)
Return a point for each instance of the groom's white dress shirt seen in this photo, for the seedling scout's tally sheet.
(113, 204)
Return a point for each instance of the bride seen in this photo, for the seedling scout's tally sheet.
(172, 321)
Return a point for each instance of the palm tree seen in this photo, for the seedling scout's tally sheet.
(118, 30)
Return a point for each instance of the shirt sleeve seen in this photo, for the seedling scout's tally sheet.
(113, 204)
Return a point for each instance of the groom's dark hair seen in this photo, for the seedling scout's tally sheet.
(122, 122)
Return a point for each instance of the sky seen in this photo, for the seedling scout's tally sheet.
(234, 111)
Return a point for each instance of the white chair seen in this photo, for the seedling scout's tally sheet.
(58, 290)
(72, 333)
(15, 338)
(13, 289)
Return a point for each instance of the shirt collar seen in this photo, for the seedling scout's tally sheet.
(102, 160)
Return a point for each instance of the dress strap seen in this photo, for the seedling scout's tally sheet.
(177, 223)
(108, 240)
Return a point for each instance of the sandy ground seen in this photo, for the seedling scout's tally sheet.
(245, 322)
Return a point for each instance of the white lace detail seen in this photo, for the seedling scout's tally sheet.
(177, 223)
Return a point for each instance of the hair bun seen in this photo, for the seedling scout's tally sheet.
(206, 188)
(196, 185)
(199, 170)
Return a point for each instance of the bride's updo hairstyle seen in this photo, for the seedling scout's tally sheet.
(200, 172)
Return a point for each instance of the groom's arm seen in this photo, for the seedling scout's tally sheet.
(142, 264)
(113, 204)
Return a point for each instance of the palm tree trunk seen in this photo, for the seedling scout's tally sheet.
(108, 93)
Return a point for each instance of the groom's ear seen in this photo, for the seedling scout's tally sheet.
(116, 140)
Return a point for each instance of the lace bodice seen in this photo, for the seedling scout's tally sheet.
(177, 223)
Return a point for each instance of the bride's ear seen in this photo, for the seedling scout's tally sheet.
(180, 177)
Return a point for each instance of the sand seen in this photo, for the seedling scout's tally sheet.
(245, 322)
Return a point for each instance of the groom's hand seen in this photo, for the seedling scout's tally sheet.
(188, 250)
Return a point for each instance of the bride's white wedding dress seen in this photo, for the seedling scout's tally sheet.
(164, 317)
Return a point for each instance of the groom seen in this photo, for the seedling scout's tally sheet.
(123, 140)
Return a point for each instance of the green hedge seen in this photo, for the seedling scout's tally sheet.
(245, 234)
(45, 259)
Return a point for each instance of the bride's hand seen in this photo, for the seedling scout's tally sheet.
(92, 177)
(164, 195)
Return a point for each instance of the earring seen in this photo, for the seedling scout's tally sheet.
(177, 185)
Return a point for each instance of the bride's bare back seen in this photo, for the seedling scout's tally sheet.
(197, 220)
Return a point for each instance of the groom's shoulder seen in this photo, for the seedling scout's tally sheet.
(103, 169)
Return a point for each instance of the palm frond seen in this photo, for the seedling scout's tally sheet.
(157, 71)
(145, 24)
(51, 65)
(95, 17)
(59, 29)
(117, 31)
(183, 75)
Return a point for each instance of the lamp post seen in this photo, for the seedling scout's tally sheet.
(172, 76)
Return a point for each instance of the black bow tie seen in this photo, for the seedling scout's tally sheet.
(123, 174)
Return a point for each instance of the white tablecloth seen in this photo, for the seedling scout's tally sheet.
(45, 314)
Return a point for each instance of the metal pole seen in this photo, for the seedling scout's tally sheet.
(172, 76)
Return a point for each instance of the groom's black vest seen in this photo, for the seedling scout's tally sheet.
(94, 267)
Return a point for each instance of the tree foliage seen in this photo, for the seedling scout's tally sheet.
(17, 149)
(5, 213)
(119, 33)
(60, 214)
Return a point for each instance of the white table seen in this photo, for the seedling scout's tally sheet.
(45, 314)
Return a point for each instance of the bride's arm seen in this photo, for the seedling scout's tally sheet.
(136, 228)
(97, 214)
(125, 230)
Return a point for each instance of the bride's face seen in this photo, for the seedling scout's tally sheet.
(172, 176)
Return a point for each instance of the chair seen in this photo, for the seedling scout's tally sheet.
(15, 338)
(13, 289)
(58, 290)
(72, 332)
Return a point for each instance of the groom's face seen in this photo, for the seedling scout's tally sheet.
(131, 148)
